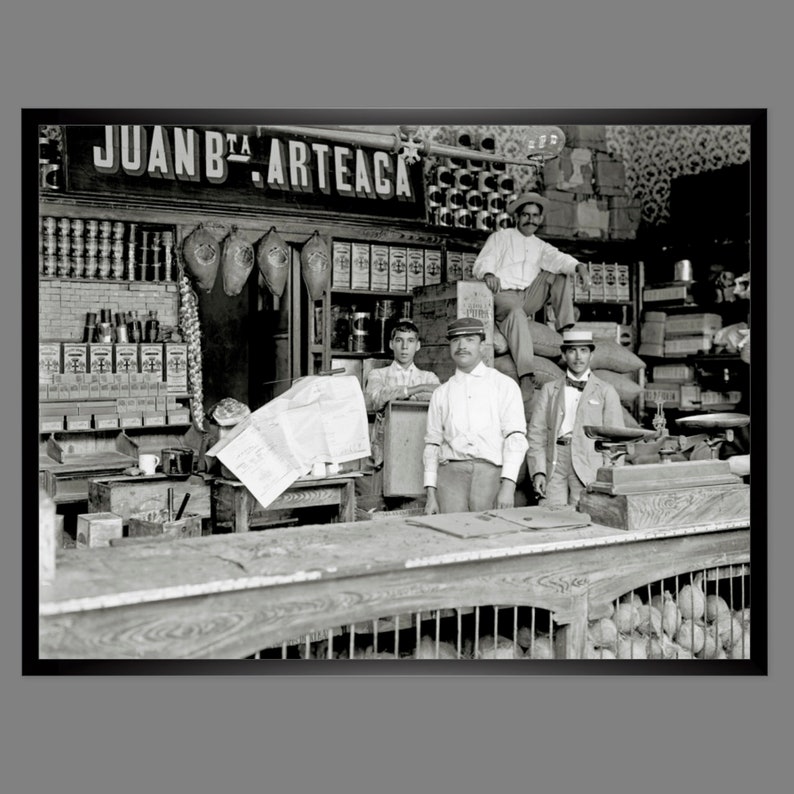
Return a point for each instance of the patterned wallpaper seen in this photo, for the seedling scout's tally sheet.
(652, 155)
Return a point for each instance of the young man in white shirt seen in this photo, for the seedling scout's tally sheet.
(561, 459)
(401, 380)
(476, 431)
(524, 273)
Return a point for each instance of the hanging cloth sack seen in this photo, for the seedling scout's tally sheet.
(314, 266)
(272, 256)
(237, 259)
(201, 253)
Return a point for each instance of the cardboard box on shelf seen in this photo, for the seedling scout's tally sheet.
(415, 262)
(75, 357)
(100, 358)
(610, 281)
(454, 265)
(175, 367)
(398, 269)
(126, 358)
(699, 324)
(359, 265)
(379, 267)
(596, 281)
(668, 393)
(469, 258)
(50, 361)
(340, 264)
(432, 266)
(687, 345)
(624, 283)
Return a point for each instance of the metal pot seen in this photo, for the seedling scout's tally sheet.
(177, 462)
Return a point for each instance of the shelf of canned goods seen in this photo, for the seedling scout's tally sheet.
(391, 590)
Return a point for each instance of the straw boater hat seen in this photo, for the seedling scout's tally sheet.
(465, 326)
(574, 338)
(527, 198)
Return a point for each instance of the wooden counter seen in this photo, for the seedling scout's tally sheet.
(227, 596)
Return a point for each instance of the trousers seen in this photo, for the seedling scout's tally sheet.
(467, 486)
(512, 308)
(563, 486)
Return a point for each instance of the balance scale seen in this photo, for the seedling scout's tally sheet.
(670, 493)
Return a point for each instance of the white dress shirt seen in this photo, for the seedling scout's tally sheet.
(479, 414)
(517, 260)
(389, 383)
(572, 397)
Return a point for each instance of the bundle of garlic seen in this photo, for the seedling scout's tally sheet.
(191, 331)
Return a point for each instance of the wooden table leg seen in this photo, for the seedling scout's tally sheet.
(347, 507)
(242, 499)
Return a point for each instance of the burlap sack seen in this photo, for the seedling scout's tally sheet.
(628, 419)
(627, 389)
(615, 357)
(545, 370)
(545, 340)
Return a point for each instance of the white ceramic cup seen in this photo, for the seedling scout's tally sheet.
(148, 463)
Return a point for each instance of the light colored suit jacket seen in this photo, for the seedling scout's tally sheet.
(598, 405)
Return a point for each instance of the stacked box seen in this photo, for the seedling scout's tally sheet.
(176, 367)
(610, 281)
(624, 284)
(674, 373)
(468, 265)
(75, 358)
(581, 293)
(592, 219)
(434, 307)
(100, 358)
(586, 136)
(601, 330)
(379, 267)
(340, 265)
(690, 396)
(151, 358)
(398, 269)
(572, 171)
(668, 393)
(559, 220)
(415, 262)
(78, 422)
(625, 215)
(671, 294)
(699, 324)
(596, 281)
(454, 265)
(610, 175)
(126, 358)
(50, 362)
(359, 265)
(432, 266)
(687, 345)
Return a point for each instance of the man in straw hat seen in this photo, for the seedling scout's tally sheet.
(476, 431)
(561, 459)
(524, 273)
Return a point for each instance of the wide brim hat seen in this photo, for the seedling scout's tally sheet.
(465, 326)
(574, 338)
(527, 198)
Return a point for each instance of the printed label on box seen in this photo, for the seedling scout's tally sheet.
(610, 282)
(105, 422)
(468, 265)
(176, 367)
(100, 358)
(359, 266)
(340, 267)
(131, 420)
(596, 281)
(398, 269)
(126, 359)
(415, 262)
(379, 268)
(581, 294)
(78, 422)
(49, 361)
(75, 358)
(151, 357)
(454, 265)
(432, 266)
(624, 284)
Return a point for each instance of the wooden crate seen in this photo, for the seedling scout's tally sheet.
(403, 444)
(435, 307)
(142, 525)
(127, 495)
(97, 529)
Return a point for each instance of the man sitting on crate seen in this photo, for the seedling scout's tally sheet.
(476, 431)
(401, 380)
(561, 459)
(524, 273)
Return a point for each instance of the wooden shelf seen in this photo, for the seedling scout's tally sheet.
(373, 293)
(107, 399)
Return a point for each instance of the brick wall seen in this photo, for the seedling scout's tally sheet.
(64, 303)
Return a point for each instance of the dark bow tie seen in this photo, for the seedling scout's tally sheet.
(577, 384)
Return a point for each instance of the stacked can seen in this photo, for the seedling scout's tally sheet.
(49, 246)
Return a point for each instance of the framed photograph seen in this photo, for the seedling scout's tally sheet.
(212, 295)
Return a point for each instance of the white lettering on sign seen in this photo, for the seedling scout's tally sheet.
(185, 154)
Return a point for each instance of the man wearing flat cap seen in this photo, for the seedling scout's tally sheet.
(524, 273)
(475, 440)
(561, 459)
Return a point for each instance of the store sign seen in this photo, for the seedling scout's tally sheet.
(240, 165)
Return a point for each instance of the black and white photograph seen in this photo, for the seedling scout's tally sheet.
(402, 392)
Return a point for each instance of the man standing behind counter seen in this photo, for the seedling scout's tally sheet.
(561, 459)
(524, 272)
(476, 431)
(401, 380)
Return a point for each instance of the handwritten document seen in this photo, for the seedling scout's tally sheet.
(320, 419)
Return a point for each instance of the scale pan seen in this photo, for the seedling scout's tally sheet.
(711, 421)
(617, 433)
